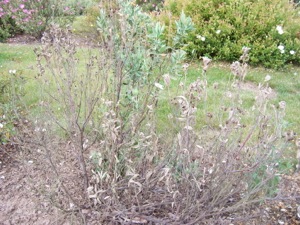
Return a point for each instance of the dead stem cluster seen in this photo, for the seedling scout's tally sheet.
(104, 107)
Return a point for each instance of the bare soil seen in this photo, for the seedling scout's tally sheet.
(23, 200)
(23, 39)
(19, 202)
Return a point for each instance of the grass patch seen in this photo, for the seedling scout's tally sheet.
(286, 84)
(287, 88)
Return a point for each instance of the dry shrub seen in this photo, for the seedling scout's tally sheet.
(204, 174)
(105, 108)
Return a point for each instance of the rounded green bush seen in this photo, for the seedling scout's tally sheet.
(270, 28)
(8, 28)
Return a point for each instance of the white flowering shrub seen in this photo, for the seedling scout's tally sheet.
(270, 28)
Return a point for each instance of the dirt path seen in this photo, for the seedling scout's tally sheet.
(21, 202)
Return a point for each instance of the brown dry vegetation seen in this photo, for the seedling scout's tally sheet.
(94, 154)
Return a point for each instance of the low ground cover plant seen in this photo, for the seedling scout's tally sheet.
(270, 28)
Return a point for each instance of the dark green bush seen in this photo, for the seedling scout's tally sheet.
(8, 28)
(270, 28)
(34, 17)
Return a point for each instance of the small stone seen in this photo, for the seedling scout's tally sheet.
(71, 205)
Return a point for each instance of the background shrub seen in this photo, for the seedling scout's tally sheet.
(34, 17)
(8, 25)
(224, 27)
(79, 6)
(85, 24)
(150, 5)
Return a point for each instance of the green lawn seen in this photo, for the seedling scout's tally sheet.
(286, 84)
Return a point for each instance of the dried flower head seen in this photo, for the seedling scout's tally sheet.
(235, 68)
(245, 55)
(185, 66)
(239, 70)
(206, 62)
(167, 79)
(282, 104)
(246, 50)
(215, 85)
